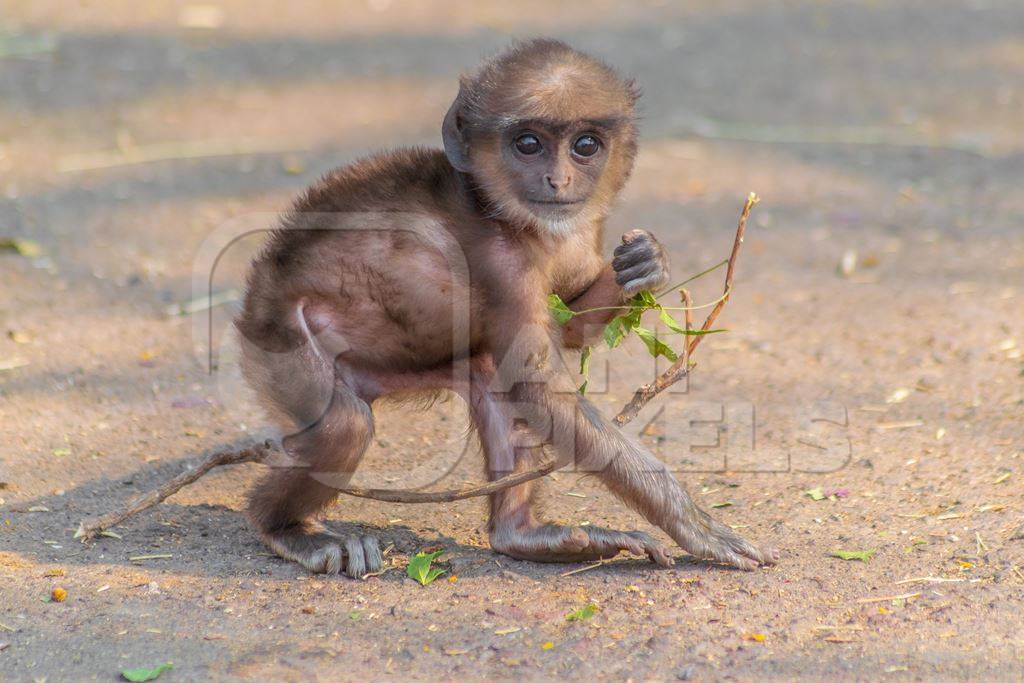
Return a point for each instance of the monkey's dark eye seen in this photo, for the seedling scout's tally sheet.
(528, 144)
(586, 146)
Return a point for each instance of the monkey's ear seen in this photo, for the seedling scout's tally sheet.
(456, 148)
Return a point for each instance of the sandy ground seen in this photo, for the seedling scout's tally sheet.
(890, 131)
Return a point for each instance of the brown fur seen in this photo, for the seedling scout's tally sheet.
(358, 295)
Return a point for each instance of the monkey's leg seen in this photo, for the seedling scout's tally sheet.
(513, 528)
(643, 481)
(324, 455)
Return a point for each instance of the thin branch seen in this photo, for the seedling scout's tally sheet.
(681, 367)
(691, 307)
(741, 230)
(692, 278)
(91, 528)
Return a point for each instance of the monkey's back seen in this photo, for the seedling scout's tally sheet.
(367, 252)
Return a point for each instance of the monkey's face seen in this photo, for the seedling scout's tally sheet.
(548, 173)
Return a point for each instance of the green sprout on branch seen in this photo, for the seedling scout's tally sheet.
(628, 322)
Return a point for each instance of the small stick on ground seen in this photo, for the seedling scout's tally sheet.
(929, 579)
(90, 528)
(887, 598)
(599, 563)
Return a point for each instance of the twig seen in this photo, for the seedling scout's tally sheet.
(692, 278)
(929, 579)
(837, 627)
(680, 368)
(887, 598)
(741, 230)
(89, 529)
(599, 563)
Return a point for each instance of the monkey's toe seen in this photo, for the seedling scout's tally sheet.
(372, 554)
(608, 543)
(362, 556)
(322, 552)
(355, 562)
(725, 545)
(326, 560)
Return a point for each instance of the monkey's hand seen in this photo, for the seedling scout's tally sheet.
(640, 263)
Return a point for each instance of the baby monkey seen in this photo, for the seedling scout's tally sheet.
(358, 293)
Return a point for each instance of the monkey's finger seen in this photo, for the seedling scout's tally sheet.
(634, 235)
(649, 283)
(355, 562)
(633, 256)
(643, 241)
(637, 272)
(372, 553)
(708, 541)
(727, 546)
(633, 281)
(740, 545)
(740, 562)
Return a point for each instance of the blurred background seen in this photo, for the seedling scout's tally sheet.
(883, 277)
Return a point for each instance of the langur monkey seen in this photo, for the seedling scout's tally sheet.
(352, 301)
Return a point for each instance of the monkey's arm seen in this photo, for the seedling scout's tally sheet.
(640, 263)
(519, 340)
(603, 293)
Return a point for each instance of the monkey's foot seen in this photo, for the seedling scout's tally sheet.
(712, 540)
(554, 543)
(322, 552)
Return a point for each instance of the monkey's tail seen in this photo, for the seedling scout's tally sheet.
(294, 383)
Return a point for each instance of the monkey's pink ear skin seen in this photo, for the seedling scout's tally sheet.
(456, 147)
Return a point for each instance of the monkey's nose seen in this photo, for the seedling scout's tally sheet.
(559, 181)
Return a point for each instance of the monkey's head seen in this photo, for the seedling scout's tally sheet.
(546, 133)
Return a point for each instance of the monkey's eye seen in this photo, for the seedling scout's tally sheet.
(528, 144)
(586, 146)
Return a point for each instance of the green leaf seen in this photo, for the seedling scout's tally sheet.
(674, 325)
(585, 360)
(815, 494)
(585, 368)
(645, 299)
(24, 247)
(615, 331)
(671, 323)
(582, 613)
(861, 555)
(420, 570)
(632, 319)
(559, 311)
(138, 675)
(655, 346)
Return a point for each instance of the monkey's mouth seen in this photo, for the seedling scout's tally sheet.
(557, 203)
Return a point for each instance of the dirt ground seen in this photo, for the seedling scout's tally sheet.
(134, 136)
